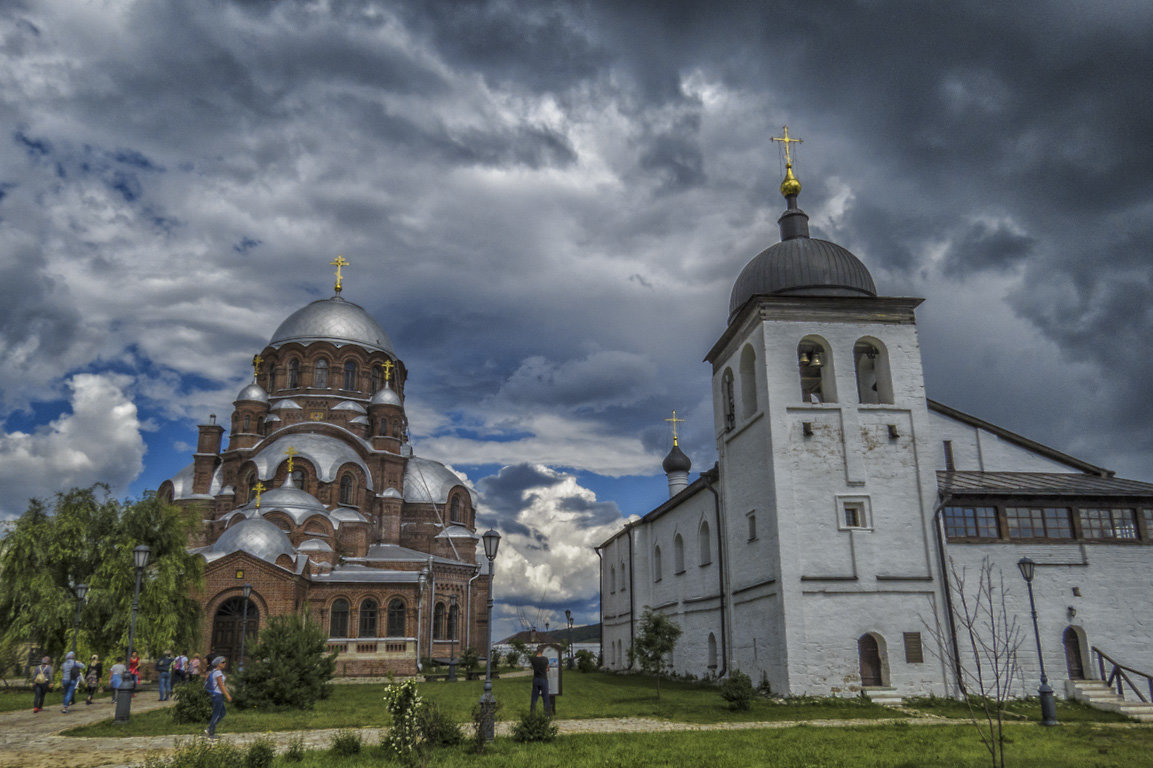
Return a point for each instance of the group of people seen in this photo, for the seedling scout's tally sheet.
(76, 676)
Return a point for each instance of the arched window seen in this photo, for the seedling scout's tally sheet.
(320, 375)
(706, 544)
(350, 375)
(298, 478)
(396, 618)
(728, 403)
(439, 622)
(748, 382)
(454, 509)
(712, 652)
(612, 578)
(247, 423)
(383, 432)
(377, 377)
(347, 488)
(656, 563)
(338, 622)
(624, 577)
(250, 484)
(368, 617)
(874, 382)
(453, 622)
(271, 379)
(293, 373)
(678, 554)
(816, 369)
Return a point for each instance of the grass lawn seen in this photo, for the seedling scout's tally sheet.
(589, 695)
(889, 746)
(12, 699)
(1017, 711)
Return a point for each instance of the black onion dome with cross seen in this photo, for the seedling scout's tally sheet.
(799, 265)
(676, 460)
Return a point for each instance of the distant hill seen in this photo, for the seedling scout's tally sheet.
(589, 633)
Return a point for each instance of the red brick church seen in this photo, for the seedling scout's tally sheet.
(319, 503)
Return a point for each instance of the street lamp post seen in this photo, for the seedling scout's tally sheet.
(1048, 703)
(247, 592)
(81, 590)
(421, 581)
(453, 620)
(568, 618)
(140, 557)
(487, 703)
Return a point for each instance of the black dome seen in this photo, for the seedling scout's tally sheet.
(676, 461)
(802, 267)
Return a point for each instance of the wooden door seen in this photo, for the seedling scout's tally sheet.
(1073, 655)
(870, 661)
(226, 628)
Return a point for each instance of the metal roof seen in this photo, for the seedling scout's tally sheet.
(334, 320)
(1038, 484)
(428, 482)
(802, 266)
(327, 455)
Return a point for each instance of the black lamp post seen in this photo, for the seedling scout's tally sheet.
(246, 590)
(421, 581)
(453, 620)
(81, 590)
(487, 703)
(568, 618)
(140, 557)
(1048, 703)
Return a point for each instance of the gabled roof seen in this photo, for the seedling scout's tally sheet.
(1024, 442)
(1039, 484)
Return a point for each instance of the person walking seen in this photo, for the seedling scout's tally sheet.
(116, 677)
(194, 667)
(179, 668)
(539, 680)
(164, 675)
(217, 689)
(71, 672)
(41, 683)
(92, 679)
(134, 669)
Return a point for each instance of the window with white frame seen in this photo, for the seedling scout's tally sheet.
(854, 513)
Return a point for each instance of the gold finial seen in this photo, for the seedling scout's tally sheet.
(291, 453)
(259, 488)
(339, 262)
(790, 186)
(674, 420)
(256, 361)
(387, 365)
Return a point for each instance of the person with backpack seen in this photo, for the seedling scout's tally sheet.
(71, 671)
(92, 679)
(116, 677)
(41, 683)
(179, 664)
(216, 688)
(164, 675)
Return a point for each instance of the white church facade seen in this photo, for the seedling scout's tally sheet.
(821, 552)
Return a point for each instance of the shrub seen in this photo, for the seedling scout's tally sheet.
(290, 666)
(738, 691)
(193, 704)
(535, 726)
(404, 703)
(512, 658)
(295, 751)
(436, 728)
(478, 742)
(199, 753)
(260, 753)
(765, 689)
(345, 743)
(469, 659)
(586, 660)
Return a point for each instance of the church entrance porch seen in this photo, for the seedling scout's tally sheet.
(226, 627)
(869, 652)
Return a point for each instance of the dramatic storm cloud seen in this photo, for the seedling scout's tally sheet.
(546, 204)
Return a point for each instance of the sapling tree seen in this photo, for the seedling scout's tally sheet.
(655, 640)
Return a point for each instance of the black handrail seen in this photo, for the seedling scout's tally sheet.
(1118, 677)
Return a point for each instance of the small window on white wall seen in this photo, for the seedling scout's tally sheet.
(706, 544)
(752, 518)
(854, 513)
(748, 382)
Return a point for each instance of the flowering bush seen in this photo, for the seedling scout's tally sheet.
(404, 703)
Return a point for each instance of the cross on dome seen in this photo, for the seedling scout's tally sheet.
(339, 262)
(291, 453)
(259, 489)
(387, 365)
(674, 421)
(256, 361)
(790, 187)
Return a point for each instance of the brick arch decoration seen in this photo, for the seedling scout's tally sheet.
(459, 495)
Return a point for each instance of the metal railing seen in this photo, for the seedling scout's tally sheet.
(1119, 677)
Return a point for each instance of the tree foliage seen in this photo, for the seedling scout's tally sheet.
(656, 638)
(290, 667)
(87, 537)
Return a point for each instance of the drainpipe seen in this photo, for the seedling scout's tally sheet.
(706, 476)
(632, 591)
(431, 608)
(938, 528)
(601, 598)
(468, 609)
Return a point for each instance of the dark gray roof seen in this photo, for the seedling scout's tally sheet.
(802, 266)
(1039, 484)
(676, 461)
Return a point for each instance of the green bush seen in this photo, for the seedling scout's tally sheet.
(738, 691)
(469, 659)
(512, 658)
(535, 726)
(295, 751)
(586, 660)
(260, 754)
(290, 667)
(193, 704)
(345, 743)
(478, 742)
(199, 753)
(436, 728)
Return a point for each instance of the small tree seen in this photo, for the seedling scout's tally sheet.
(290, 665)
(586, 660)
(656, 639)
(521, 649)
(512, 658)
(469, 659)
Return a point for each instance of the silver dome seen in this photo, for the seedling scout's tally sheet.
(257, 537)
(385, 396)
(314, 545)
(349, 405)
(290, 500)
(334, 320)
(254, 393)
(327, 455)
(428, 482)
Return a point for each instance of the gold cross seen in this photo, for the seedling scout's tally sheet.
(291, 453)
(387, 366)
(256, 361)
(339, 262)
(259, 488)
(675, 421)
(787, 140)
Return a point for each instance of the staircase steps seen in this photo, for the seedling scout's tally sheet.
(1100, 696)
(883, 695)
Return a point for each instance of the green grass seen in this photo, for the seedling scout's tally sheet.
(890, 746)
(585, 696)
(13, 699)
(1016, 711)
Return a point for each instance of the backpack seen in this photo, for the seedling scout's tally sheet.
(208, 682)
(41, 675)
(74, 673)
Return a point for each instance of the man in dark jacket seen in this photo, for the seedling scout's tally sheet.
(164, 675)
(539, 681)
